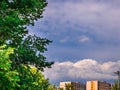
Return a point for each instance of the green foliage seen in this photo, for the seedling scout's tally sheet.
(15, 15)
(30, 52)
(31, 79)
(22, 51)
(8, 78)
(115, 86)
(69, 87)
(60, 89)
(21, 77)
(52, 87)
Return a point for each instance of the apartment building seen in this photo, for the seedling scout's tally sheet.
(98, 85)
(72, 85)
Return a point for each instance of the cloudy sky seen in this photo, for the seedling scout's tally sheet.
(86, 39)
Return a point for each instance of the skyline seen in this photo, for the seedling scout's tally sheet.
(84, 32)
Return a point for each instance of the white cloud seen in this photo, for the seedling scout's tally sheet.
(83, 69)
(83, 39)
(100, 20)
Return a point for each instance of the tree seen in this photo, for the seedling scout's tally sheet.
(16, 70)
(60, 89)
(7, 75)
(69, 87)
(15, 16)
(32, 79)
(22, 77)
(30, 52)
(115, 86)
(52, 87)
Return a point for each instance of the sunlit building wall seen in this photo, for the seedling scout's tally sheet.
(98, 85)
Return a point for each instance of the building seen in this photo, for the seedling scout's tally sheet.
(72, 85)
(98, 85)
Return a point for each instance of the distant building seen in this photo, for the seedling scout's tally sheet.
(72, 85)
(98, 85)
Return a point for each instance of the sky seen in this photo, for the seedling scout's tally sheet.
(86, 39)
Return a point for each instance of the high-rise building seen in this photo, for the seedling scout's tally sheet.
(72, 85)
(98, 85)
